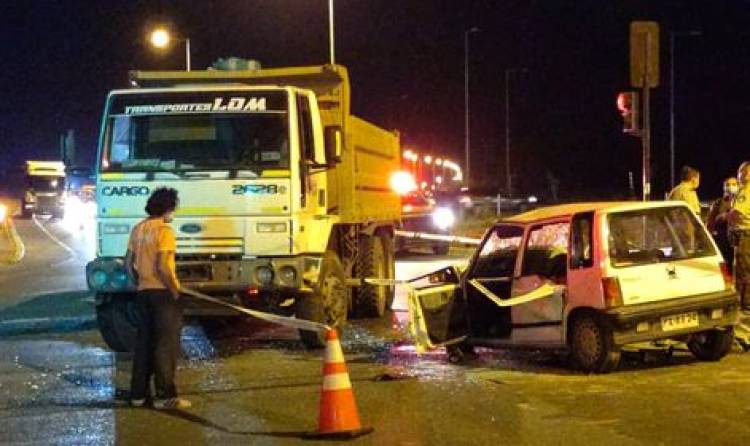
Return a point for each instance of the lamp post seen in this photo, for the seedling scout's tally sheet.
(672, 37)
(331, 45)
(467, 138)
(508, 180)
(160, 38)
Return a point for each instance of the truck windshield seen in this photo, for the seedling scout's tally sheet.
(184, 132)
(45, 183)
(656, 235)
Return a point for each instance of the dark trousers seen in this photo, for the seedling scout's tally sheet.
(742, 269)
(158, 344)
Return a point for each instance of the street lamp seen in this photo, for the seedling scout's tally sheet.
(672, 36)
(160, 38)
(508, 180)
(467, 139)
(330, 32)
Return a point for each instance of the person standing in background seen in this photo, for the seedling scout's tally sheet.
(690, 179)
(716, 222)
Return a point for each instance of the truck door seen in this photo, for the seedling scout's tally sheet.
(437, 309)
(544, 263)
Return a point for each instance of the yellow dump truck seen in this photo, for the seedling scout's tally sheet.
(284, 194)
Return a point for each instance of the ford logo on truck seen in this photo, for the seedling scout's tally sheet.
(125, 191)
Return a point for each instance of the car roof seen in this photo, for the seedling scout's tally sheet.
(562, 210)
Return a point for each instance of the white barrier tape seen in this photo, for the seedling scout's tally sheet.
(301, 324)
(438, 237)
(546, 290)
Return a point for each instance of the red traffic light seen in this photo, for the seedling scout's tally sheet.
(627, 104)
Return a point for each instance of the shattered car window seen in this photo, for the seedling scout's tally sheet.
(497, 257)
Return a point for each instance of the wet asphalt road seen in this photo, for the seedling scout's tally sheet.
(254, 384)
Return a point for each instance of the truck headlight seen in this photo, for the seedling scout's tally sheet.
(113, 229)
(443, 218)
(288, 275)
(270, 227)
(264, 275)
(118, 279)
(98, 279)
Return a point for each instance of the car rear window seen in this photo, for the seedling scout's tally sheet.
(656, 235)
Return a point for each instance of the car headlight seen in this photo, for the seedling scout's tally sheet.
(270, 227)
(264, 275)
(443, 218)
(98, 279)
(288, 275)
(3, 212)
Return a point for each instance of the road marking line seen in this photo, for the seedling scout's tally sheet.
(70, 250)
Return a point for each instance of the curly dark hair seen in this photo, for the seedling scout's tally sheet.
(161, 201)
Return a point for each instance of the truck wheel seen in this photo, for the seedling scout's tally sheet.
(711, 345)
(375, 260)
(591, 345)
(118, 323)
(328, 304)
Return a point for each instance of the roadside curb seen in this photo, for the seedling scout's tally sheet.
(16, 327)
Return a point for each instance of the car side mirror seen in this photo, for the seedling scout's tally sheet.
(334, 142)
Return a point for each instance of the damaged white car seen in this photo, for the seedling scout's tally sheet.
(589, 278)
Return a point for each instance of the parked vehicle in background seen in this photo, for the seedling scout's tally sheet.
(589, 278)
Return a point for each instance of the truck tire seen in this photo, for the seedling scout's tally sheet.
(376, 260)
(592, 349)
(118, 323)
(328, 304)
(711, 345)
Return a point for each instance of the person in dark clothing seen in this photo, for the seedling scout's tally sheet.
(150, 261)
(716, 222)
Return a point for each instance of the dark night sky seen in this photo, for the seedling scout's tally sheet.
(406, 63)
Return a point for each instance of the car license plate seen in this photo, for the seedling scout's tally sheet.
(679, 321)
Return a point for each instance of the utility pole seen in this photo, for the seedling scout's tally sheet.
(331, 33)
(672, 37)
(508, 175)
(467, 137)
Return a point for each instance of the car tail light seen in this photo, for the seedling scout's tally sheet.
(612, 292)
(727, 275)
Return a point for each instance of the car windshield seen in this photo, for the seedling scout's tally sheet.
(656, 235)
(184, 132)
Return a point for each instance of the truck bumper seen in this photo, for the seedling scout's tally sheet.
(645, 322)
(243, 282)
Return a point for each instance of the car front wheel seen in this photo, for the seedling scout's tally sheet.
(591, 345)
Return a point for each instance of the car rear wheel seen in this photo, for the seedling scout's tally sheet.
(711, 345)
(592, 347)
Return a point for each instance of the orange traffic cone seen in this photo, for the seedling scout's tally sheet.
(338, 411)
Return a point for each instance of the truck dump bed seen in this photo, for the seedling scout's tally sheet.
(358, 186)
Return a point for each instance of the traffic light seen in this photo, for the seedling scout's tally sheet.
(627, 103)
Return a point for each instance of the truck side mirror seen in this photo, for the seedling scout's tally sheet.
(334, 141)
